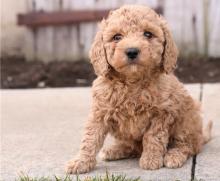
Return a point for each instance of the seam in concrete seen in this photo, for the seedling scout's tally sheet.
(193, 167)
(201, 92)
(194, 157)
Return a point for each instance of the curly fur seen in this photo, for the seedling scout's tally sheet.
(142, 105)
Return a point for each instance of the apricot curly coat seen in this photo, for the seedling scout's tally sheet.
(140, 103)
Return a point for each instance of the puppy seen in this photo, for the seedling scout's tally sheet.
(136, 97)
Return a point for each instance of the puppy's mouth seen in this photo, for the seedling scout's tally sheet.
(125, 64)
(133, 62)
(132, 66)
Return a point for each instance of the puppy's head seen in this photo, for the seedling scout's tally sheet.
(133, 41)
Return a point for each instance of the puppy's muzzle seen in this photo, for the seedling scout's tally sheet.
(132, 53)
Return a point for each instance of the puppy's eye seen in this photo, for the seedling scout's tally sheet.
(148, 34)
(117, 37)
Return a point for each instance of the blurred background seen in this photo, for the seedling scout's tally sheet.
(45, 43)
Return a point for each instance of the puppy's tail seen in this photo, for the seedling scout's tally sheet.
(207, 132)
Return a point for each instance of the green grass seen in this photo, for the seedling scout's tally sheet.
(107, 177)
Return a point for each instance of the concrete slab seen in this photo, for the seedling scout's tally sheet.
(208, 162)
(194, 90)
(42, 128)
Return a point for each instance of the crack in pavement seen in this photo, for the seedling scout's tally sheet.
(195, 156)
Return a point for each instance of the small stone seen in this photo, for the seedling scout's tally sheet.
(41, 84)
(211, 74)
(9, 78)
(81, 81)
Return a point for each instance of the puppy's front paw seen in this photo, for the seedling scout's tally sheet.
(78, 166)
(149, 161)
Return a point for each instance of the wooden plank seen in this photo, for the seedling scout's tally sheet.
(61, 36)
(184, 18)
(79, 31)
(30, 37)
(87, 31)
(214, 28)
(44, 35)
(208, 161)
(36, 19)
(197, 27)
(74, 50)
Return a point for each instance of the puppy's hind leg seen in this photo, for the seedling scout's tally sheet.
(181, 151)
(175, 157)
(121, 150)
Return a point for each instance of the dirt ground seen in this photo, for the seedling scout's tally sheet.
(18, 73)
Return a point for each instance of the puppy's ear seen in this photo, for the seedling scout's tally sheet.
(98, 54)
(170, 52)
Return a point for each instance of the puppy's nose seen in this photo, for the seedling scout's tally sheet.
(132, 53)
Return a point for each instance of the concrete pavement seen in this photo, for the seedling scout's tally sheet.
(41, 130)
(208, 161)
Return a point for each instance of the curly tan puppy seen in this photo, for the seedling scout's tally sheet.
(136, 97)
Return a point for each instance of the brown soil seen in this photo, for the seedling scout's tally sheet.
(17, 73)
(198, 70)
